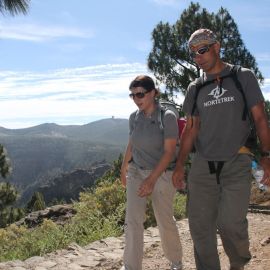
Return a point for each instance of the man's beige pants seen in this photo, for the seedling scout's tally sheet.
(162, 202)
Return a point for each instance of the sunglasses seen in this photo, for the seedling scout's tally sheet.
(138, 94)
(200, 51)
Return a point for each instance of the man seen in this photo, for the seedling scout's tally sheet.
(220, 176)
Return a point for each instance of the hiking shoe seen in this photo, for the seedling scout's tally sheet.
(176, 266)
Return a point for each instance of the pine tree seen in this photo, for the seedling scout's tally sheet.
(169, 59)
(14, 6)
(8, 196)
(267, 109)
(36, 203)
(5, 167)
(8, 193)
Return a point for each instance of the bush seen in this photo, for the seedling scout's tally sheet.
(100, 214)
(179, 206)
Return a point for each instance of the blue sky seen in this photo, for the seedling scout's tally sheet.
(71, 61)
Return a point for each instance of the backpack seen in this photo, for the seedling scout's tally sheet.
(164, 106)
(252, 142)
(169, 105)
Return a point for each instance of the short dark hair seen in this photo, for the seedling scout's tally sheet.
(143, 81)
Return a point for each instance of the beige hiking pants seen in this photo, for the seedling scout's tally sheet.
(162, 202)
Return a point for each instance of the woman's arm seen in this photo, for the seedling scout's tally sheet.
(127, 157)
(148, 184)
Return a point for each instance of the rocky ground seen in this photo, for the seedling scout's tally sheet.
(107, 254)
(258, 196)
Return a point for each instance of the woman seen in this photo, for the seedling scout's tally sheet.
(144, 172)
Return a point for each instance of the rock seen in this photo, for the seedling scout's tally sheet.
(265, 241)
(107, 254)
(60, 214)
(69, 185)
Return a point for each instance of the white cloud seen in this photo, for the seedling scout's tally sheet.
(67, 96)
(266, 89)
(71, 96)
(38, 33)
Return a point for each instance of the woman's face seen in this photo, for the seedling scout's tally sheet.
(143, 99)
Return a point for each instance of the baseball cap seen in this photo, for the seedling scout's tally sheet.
(202, 37)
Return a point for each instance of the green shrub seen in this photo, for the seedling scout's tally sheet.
(94, 227)
(179, 206)
(100, 213)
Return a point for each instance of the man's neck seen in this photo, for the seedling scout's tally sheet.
(220, 65)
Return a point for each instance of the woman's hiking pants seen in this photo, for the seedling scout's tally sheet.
(162, 202)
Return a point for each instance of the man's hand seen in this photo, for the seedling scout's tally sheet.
(178, 177)
(265, 163)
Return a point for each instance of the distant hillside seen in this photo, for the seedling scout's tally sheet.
(66, 186)
(109, 131)
(46, 151)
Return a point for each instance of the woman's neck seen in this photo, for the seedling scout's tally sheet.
(149, 111)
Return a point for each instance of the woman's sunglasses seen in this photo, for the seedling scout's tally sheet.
(200, 51)
(138, 94)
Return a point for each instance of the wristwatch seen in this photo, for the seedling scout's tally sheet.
(265, 154)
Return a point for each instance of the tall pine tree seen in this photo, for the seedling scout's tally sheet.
(8, 193)
(14, 6)
(169, 58)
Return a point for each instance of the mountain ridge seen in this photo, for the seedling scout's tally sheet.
(45, 151)
(69, 131)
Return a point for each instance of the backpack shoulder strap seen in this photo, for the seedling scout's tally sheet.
(199, 83)
(234, 71)
(198, 86)
(135, 119)
(136, 115)
(161, 112)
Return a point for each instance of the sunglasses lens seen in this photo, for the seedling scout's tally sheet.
(137, 95)
(140, 95)
(203, 50)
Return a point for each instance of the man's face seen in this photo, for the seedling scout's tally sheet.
(205, 56)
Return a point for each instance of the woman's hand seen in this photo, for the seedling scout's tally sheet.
(124, 167)
(146, 188)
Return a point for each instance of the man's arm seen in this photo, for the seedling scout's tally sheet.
(187, 140)
(263, 132)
